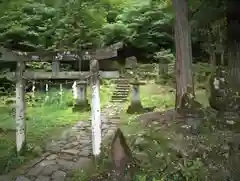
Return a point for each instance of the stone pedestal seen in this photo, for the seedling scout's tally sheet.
(80, 96)
(136, 105)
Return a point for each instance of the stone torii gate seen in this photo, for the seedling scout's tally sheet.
(94, 74)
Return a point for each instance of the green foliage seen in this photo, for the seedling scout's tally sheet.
(145, 25)
(164, 56)
(25, 25)
(30, 25)
(202, 72)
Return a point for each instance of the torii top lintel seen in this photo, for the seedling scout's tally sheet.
(46, 56)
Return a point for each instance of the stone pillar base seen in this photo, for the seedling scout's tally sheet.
(81, 106)
(135, 108)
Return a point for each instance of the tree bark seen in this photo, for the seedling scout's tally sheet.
(233, 28)
(184, 80)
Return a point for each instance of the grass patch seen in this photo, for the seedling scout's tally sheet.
(45, 121)
(167, 151)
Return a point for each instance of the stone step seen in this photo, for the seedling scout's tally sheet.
(119, 97)
(122, 82)
(119, 100)
(124, 91)
(120, 94)
(123, 87)
(122, 79)
(119, 84)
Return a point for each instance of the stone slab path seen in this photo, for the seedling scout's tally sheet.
(71, 152)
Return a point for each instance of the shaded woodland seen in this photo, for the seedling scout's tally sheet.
(193, 45)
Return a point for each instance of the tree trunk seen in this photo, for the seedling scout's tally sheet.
(184, 80)
(213, 59)
(233, 28)
(222, 58)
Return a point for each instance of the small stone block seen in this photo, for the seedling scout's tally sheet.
(43, 178)
(22, 178)
(49, 169)
(5, 178)
(71, 151)
(59, 176)
(52, 157)
(35, 171)
(85, 152)
(65, 165)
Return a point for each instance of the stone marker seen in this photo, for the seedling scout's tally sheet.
(136, 105)
(80, 95)
(131, 62)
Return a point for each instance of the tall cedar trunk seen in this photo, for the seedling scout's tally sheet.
(184, 80)
(233, 29)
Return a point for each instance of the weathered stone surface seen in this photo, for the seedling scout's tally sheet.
(86, 141)
(22, 178)
(85, 152)
(72, 138)
(71, 151)
(49, 169)
(59, 176)
(110, 132)
(52, 157)
(47, 162)
(31, 164)
(35, 171)
(65, 165)
(71, 145)
(82, 163)
(5, 178)
(53, 147)
(67, 157)
(75, 143)
(43, 178)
